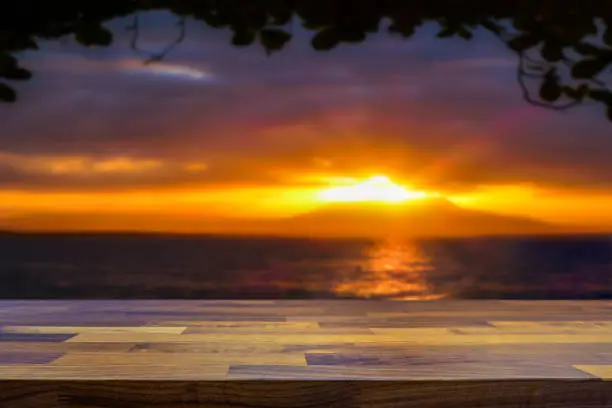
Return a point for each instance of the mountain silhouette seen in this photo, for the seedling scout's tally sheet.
(426, 217)
(431, 217)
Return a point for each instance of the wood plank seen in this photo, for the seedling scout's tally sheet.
(203, 394)
(132, 338)
(204, 347)
(239, 325)
(535, 329)
(24, 394)
(33, 337)
(603, 371)
(34, 347)
(545, 353)
(9, 357)
(491, 393)
(248, 338)
(553, 324)
(389, 322)
(307, 394)
(178, 359)
(404, 322)
(110, 372)
(90, 329)
(320, 331)
(412, 336)
(441, 372)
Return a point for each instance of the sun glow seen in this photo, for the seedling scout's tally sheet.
(374, 189)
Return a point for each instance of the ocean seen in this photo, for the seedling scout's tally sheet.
(141, 266)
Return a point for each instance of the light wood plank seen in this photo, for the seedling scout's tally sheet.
(553, 324)
(64, 347)
(240, 325)
(600, 371)
(535, 329)
(110, 372)
(178, 359)
(204, 347)
(246, 338)
(412, 336)
(319, 331)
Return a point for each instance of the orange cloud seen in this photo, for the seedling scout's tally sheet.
(79, 165)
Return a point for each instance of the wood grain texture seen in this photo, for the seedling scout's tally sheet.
(66, 354)
(306, 394)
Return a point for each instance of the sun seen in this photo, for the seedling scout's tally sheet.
(377, 188)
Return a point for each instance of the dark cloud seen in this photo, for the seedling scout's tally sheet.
(447, 113)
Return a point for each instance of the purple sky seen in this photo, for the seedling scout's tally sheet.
(443, 113)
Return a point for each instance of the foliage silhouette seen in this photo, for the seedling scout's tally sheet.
(564, 51)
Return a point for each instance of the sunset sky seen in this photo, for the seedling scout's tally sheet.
(100, 141)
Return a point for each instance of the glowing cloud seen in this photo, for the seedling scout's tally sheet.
(77, 165)
(376, 188)
(167, 70)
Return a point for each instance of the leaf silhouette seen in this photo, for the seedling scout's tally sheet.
(243, 37)
(552, 52)
(589, 68)
(601, 95)
(607, 37)
(446, 32)
(273, 39)
(92, 34)
(523, 42)
(326, 39)
(352, 34)
(464, 33)
(585, 48)
(7, 93)
(550, 90)
(577, 94)
(16, 73)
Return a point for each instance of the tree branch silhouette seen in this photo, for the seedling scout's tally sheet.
(544, 34)
(157, 56)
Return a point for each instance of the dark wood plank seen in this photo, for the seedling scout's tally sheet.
(7, 357)
(295, 394)
(34, 337)
(509, 371)
(307, 394)
(493, 394)
(29, 394)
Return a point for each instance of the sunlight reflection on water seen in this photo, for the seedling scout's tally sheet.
(393, 268)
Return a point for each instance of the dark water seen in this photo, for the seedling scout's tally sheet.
(164, 266)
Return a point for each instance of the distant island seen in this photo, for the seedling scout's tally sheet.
(427, 217)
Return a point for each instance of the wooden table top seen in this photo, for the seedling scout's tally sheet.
(305, 340)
